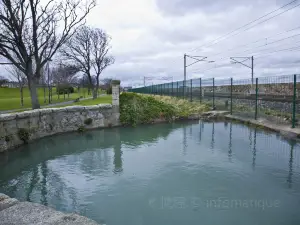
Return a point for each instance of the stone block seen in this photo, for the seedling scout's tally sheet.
(7, 117)
(6, 202)
(45, 111)
(56, 110)
(2, 130)
(105, 106)
(93, 107)
(26, 114)
(75, 108)
(10, 127)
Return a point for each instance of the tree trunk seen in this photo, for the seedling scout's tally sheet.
(95, 92)
(49, 94)
(21, 95)
(33, 93)
(45, 95)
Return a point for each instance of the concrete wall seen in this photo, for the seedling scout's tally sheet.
(45, 122)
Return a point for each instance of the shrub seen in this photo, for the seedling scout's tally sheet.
(24, 134)
(64, 89)
(137, 109)
(81, 129)
(88, 121)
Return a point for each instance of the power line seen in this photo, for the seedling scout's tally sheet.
(262, 51)
(269, 44)
(283, 39)
(216, 67)
(281, 50)
(217, 40)
(258, 40)
(264, 55)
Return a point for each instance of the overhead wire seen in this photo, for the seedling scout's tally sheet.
(258, 40)
(223, 37)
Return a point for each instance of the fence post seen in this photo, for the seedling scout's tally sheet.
(256, 98)
(200, 90)
(172, 90)
(213, 93)
(231, 96)
(294, 102)
(191, 92)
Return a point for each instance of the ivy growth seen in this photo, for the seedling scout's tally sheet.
(81, 129)
(24, 134)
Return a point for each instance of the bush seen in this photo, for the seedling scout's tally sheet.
(137, 109)
(81, 129)
(64, 89)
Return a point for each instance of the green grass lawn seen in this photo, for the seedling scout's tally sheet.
(10, 97)
(105, 99)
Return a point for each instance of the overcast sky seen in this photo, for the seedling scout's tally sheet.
(149, 37)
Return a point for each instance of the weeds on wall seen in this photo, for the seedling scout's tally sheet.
(24, 134)
(138, 109)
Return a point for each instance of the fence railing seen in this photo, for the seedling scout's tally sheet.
(275, 98)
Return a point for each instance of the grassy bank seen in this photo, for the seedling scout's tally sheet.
(138, 109)
(105, 99)
(10, 97)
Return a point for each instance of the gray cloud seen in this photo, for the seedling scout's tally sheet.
(182, 7)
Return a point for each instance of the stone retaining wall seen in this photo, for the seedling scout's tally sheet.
(27, 213)
(17, 128)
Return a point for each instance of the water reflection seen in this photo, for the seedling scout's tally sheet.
(230, 143)
(118, 163)
(212, 137)
(290, 175)
(184, 141)
(76, 172)
(254, 150)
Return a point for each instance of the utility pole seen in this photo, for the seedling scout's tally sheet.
(144, 81)
(238, 60)
(196, 60)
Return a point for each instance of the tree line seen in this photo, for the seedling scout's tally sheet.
(34, 33)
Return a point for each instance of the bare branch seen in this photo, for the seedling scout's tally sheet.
(29, 35)
(88, 50)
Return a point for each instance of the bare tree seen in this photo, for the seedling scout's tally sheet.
(29, 34)
(17, 74)
(106, 83)
(88, 50)
(64, 74)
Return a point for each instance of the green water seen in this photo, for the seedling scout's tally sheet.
(186, 173)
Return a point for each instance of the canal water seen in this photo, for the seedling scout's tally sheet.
(183, 173)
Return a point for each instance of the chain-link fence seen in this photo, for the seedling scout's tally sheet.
(274, 99)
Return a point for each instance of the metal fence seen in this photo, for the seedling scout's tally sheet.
(275, 99)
